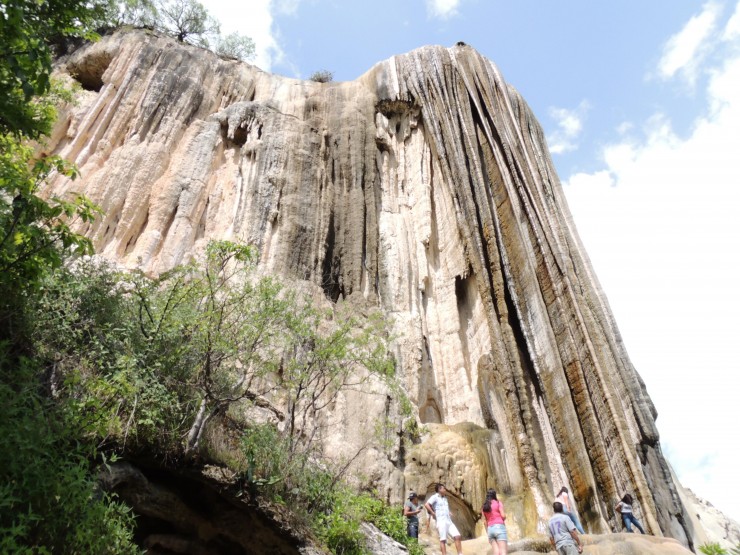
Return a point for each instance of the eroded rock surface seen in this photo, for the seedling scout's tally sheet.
(424, 188)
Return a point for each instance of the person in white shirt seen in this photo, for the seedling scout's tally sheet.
(439, 508)
(624, 507)
(568, 510)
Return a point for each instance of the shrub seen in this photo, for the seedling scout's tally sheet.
(144, 364)
(712, 549)
(322, 76)
(49, 502)
(316, 494)
(236, 46)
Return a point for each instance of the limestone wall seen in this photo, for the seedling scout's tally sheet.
(424, 188)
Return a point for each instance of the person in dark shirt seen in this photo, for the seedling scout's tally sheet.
(411, 510)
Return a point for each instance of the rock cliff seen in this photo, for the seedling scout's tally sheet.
(424, 188)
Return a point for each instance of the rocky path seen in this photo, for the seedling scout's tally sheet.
(599, 544)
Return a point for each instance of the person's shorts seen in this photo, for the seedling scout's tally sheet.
(413, 530)
(445, 527)
(497, 532)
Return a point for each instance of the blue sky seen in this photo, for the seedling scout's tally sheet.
(640, 101)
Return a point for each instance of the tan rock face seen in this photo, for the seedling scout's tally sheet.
(424, 188)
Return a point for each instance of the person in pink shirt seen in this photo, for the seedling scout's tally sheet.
(494, 515)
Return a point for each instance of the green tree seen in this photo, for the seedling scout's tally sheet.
(139, 13)
(28, 31)
(35, 232)
(49, 501)
(328, 352)
(235, 45)
(187, 21)
(204, 336)
(48, 497)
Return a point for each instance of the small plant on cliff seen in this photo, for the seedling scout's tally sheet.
(187, 21)
(322, 76)
(236, 46)
(712, 549)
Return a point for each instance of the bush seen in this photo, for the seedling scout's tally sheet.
(712, 549)
(290, 477)
(339, 528)
(140, 364)
(49, 502)
(86, 326)
(322, 76)
(236, 46)
(316, 493)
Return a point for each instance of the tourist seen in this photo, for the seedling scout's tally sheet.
(624, 507)
(411, 510)
(439, 508)
(563, 535)
(568, 510)
(494, 516)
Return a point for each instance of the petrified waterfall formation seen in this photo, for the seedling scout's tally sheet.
(424, 188)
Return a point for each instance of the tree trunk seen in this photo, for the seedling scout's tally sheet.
(196, 429)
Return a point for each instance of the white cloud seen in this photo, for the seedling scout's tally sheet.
(256, 20)
(732, 29)
(660, 223)
(569, 127)
(287, 7)
(442, 9)
(685, 50)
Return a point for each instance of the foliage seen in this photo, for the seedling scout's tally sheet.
(186, 20)
(36, 232)
(154, 360)
(235, 45)
(322, 76)
(340, 528)
(715, 548)
(315, 493)
(27, 31)
(86, 328)
(139, 13)
(48, 497)
(328, 353)
(296, 480)
(142, 363)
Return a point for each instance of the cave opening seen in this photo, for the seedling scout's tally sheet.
(89, 71)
